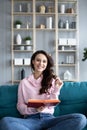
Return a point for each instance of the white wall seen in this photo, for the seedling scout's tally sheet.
(82, 37)
(5, 41)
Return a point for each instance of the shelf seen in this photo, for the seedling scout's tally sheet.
(21, 65)
(23, 0)
(22, 13)
(67, 65)
(25, 29)
(73, 80)
(67, 45)
(25, 51)
(68, 14)
(67, 1)
(16, 81)
(68, 30)
(51, 1)
(45, 29)
(22, 45)
(62, 51)
(44, 14)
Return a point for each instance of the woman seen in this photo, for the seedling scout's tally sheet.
(41, 84)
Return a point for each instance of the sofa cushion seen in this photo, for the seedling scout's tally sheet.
(73, 96)
(8, 100)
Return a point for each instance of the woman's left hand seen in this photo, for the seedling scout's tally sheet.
(39, 109)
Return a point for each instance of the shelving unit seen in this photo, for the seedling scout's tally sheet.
(21, 53)
(68, 50)
(46, 36)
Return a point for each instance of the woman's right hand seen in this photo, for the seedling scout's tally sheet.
(58, 82)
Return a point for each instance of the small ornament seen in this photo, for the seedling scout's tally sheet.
(67, 75)
(67, 24)
(42, 26)
(50, 9)
(42, 9)
(62, 8)
(20, 8)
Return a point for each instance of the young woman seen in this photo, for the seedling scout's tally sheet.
(41, 84)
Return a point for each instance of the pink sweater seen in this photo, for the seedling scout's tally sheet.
(29, 89)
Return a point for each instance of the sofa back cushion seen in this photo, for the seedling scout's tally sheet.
(8, 100)
(73, 96)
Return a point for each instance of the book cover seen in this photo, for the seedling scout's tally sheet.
(38, 102)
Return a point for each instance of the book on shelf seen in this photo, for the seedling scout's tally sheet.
(42, 102)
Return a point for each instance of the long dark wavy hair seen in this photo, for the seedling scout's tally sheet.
(48, 73)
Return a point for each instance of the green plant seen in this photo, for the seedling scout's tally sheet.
(84, 54)
(18, 22)
(27, 38)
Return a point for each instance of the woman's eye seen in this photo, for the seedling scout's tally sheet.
(44, 61)
(38, 60)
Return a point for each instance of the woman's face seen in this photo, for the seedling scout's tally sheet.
(40, 63)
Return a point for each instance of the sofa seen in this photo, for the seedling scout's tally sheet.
(73, 96)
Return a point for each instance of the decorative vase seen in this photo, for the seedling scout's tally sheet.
(42, 9)
(28, 42)
(18, 39)
(20, 8)
(62, 8)
(61, 24)
(67, 75)
(49, 22)
(21, 48)
(29, 48)
(28, 7)
(18, 26)
(22, 74)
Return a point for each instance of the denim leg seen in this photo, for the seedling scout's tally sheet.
(44, 121)
(11, 123)
(67, 122)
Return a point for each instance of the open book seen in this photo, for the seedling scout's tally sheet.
(41, 102)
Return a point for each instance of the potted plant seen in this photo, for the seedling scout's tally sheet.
(27, 40)
(84, 54)
(18, 24)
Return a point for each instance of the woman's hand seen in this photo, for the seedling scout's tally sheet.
(40, 108)
(58, 82)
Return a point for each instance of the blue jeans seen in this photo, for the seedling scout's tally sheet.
(43, 121)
